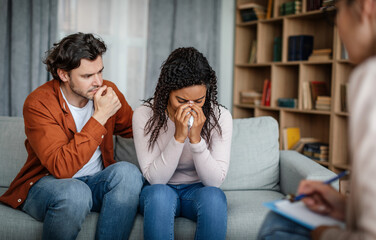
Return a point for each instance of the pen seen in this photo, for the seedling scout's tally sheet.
(294, 198)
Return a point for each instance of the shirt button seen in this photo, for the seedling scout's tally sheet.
(19, 200)
(102, 136)
(31, 183)
(47, 174)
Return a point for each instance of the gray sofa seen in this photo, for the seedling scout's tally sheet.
(258, 172)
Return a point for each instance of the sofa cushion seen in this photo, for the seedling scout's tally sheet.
(254, 160)
(12, 148)
(245, 216)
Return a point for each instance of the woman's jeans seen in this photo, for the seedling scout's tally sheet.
(62, 204)
(161, 203)
(276, 227)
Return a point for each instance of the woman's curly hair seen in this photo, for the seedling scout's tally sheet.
(184, 67)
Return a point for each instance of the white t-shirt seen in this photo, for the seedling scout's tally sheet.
(81, 116)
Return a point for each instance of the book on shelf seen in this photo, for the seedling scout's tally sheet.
(266, 93)
(306, 94)
(253, 52)
(291, 136)
(269, 11)
(287, 102)
(343, 96)
(327, 3)
(313, 5)
(277, 49)
(251, 12)
(250, 97)
(302, 141)
(321, 55)
(317, 151)
(299, 47)
(318, 88)
(292, 7)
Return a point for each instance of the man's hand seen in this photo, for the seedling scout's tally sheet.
(106, 104)
(323, 199)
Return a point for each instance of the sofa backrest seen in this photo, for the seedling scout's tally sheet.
(13, 153)
(254, 160)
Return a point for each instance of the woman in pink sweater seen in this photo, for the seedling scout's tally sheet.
(183, 141)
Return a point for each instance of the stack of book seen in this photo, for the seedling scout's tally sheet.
(323, 103)
(321, 54)
(316, 151)
(287, 102)
(313, 5)
(288, 8)
(319, 88)
(252, 11)
(250, 97)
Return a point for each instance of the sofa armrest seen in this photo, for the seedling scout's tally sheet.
(295, 167)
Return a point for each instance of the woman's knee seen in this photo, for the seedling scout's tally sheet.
(158, 194)
(212, 196)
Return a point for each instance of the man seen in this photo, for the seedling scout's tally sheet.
(70, 169)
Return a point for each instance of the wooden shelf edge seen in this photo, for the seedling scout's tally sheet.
(342, 114)
(342, 166)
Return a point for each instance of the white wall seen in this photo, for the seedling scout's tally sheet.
(226, 75)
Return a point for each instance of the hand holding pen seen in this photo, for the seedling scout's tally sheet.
(322, 198)
(294, 198)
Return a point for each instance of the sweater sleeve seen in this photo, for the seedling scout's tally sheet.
(159, 163)
(212, 165)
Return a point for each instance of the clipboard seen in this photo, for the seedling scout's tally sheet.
(299, 213)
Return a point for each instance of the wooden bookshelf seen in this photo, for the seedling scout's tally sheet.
(287, 77)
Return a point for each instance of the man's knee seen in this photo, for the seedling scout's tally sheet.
(127, 173)
(74, 196)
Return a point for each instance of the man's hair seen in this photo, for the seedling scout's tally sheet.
(67, 53)
(184, 67)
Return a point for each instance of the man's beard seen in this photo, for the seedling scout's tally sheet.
(80, 92)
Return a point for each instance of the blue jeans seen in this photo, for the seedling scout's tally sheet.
(160, 204)
(62, 204)
(276, 227)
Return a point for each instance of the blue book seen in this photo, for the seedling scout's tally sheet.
(300, 47)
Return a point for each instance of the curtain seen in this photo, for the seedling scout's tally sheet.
(122, 25)
(181, 23)
(27, 31)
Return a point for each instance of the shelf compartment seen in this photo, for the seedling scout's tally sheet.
(315, 25)
(259, 112)
(311, 125)
(342, 74)
(267, 32)
(285, 79)
(340, 147)
(315, 72)
(243, 38)
(250, 78)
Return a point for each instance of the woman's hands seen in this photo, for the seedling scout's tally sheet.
(323, 199)
(181, 117)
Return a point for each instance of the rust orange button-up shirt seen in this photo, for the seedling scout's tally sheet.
(53, 144)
